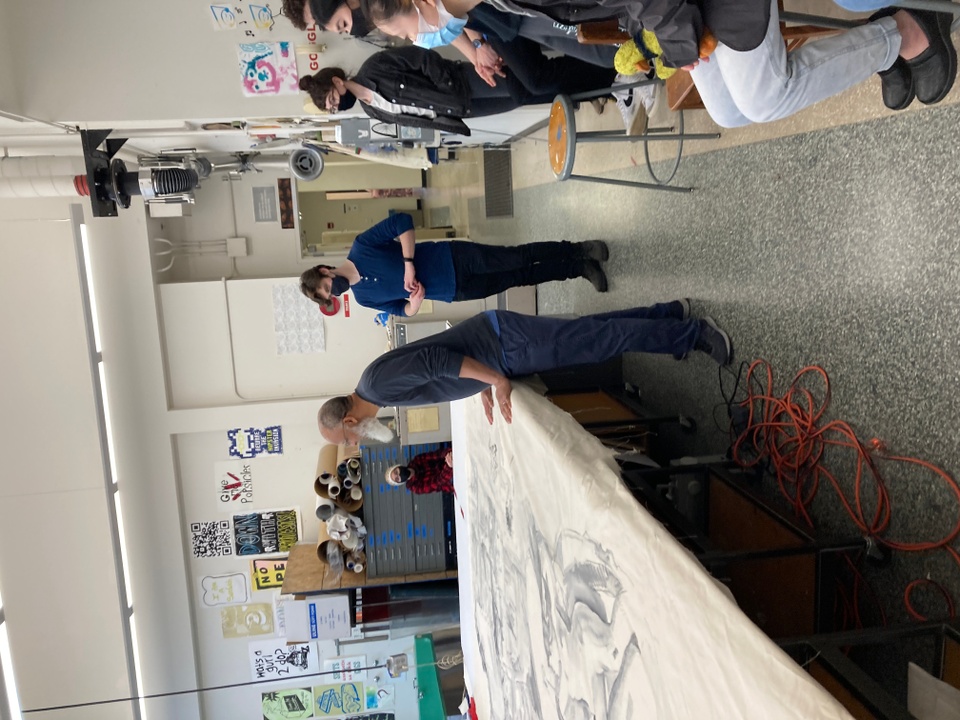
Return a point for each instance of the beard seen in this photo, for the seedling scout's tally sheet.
(373, 429)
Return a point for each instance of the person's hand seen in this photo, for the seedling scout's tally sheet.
(487, 74)
(504, 388)
(416, 298)
(410, 283)
(692, 65)
(448, 458)
(487, 397)
(487, 57)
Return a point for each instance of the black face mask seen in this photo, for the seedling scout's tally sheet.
(339, 285)
(347, 101)
(405, 473)
(360, 27)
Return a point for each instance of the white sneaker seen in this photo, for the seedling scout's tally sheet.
(631, 101)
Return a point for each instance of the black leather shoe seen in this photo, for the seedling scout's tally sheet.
(896, 85)
(594, 273)
(935, 69)
(896, 82)
(595, 250)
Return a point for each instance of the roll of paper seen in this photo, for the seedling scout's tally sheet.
(347, 483)
(353, 470)
(342, 470)
(350, 539)
(325, 508)
(327, 463)
(333, 487)
(356, 492)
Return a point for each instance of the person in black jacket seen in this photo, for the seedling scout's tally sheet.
(750, 77)
(418, 88)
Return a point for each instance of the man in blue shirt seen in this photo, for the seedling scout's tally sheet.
(487, 350)
(386, 270)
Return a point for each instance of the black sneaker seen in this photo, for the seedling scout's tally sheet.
(714, 342)
(594, 250)
(896, 82)
(594, 273)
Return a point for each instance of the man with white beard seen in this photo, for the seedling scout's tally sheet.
(488, 349)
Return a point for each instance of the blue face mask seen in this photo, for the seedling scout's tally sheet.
(431, 36)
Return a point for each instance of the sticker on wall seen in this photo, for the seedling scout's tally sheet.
(268, 68)
(237, 621)
(346, 669)
(267, 574)
(233, 589)
(273, 659)
(297, 326)
(262, 17)
(378, 698)
(336, 700)
(287, 704)
(211, 539)
(252, 442)
(266, 532)
(234, 484)
(225, 17)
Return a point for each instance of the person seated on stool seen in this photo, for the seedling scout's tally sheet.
(750, 77)
(489, 349)
(387, 271)
(428, 472)
(414, 87)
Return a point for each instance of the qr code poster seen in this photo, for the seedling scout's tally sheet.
(211, 539)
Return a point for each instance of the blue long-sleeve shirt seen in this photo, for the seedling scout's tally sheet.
(378, 257)
(426, 371)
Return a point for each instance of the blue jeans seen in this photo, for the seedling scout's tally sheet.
(862, 5)
(533, 344)
(767, 83)
(485, 270)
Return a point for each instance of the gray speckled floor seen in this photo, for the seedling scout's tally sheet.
(837, 248)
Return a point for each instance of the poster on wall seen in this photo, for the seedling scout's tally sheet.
(252, 442)
(273, 659)
(337, 700)
(237, 621)
(266, 532)
(297, 326)
(268, 574)
(254, 21)
(210, 539)
(379, 698)
(287, 704)
(233, 589)
(285, 193)
(268, 68)
(346, 669)
(264, 204)
(234, 485)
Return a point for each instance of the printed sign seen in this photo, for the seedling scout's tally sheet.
(272, 659)
(324, 617)
(264, 204)
(245, 620)
(268, 68)
(266, 532)
(210, 539)
(267, 574)
(287, 704)
(379, 697)
(231, 589)
(252, 442)
(234, 484)
(346, 669)
(337, 700)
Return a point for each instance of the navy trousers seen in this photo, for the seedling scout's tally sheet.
(533, 344)
(485, 270)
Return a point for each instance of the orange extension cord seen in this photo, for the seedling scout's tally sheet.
(786, 431)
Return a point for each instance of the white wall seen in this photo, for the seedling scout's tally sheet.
(198, 345)
(57, 573)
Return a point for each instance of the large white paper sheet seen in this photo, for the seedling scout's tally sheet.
(576, 603)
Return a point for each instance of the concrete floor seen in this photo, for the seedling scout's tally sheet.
(829, 238)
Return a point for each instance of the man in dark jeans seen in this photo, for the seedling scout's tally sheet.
(386, 270)
(487, 350)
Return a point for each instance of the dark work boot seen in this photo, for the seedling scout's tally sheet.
(594, 273)
(594, 250)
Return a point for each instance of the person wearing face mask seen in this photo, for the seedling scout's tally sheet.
(418, 88)
(388, 270)
(427, 472)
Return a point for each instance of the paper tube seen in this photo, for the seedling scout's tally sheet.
(345, 452)
(350, 540)
(322, 541)
(353, 470)
(326, 468)
(325, 508)
(356, 492)
(333, 487)
(342, 470)
(347, 484)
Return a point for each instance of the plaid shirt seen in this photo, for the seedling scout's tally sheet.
(431, 473)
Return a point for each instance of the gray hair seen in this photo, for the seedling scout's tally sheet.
(333, 411)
